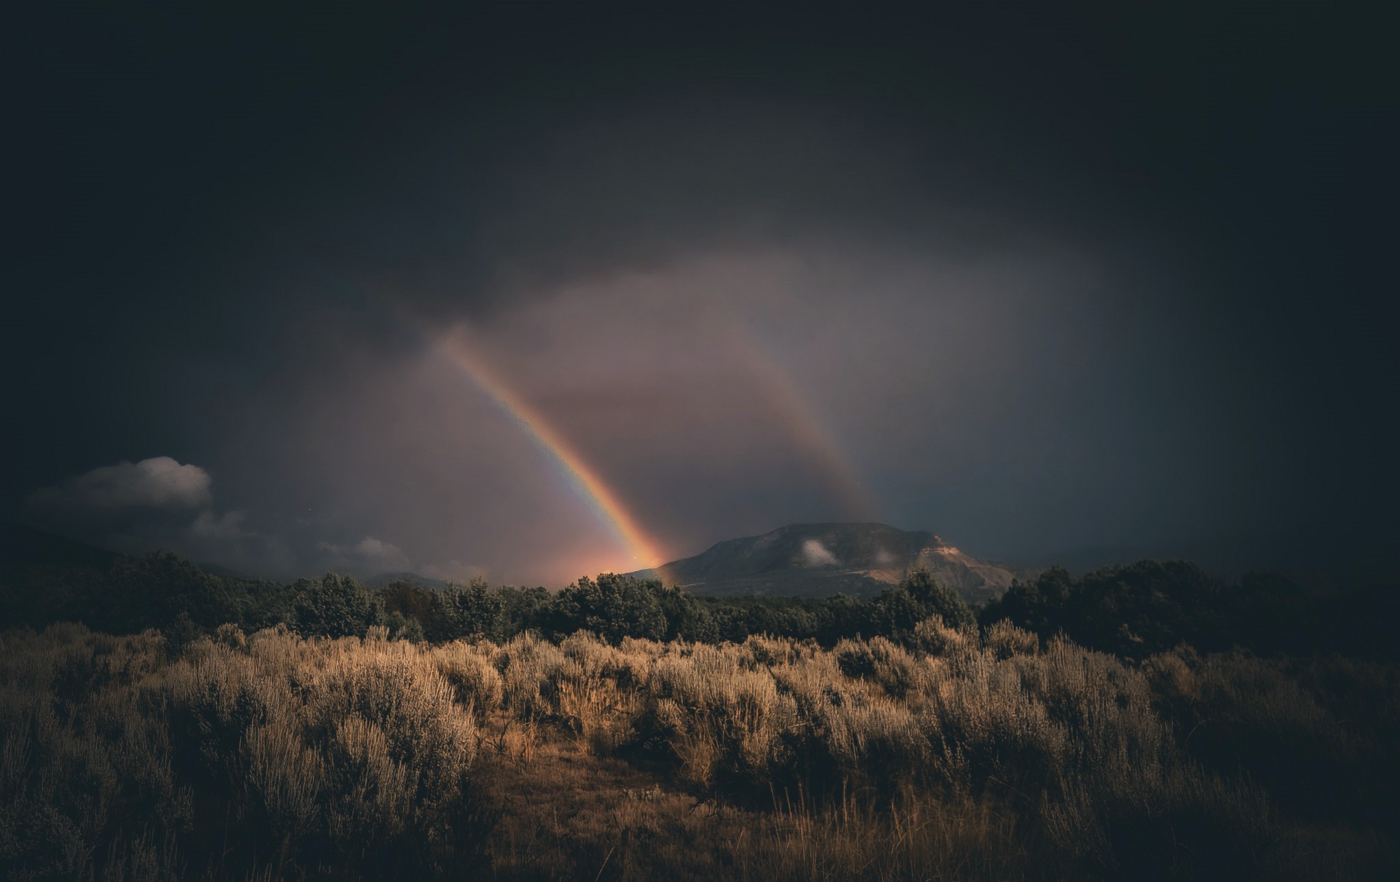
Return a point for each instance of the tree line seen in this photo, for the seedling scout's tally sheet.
(1132, 611)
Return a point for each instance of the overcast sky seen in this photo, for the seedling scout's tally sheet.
(1037, 278)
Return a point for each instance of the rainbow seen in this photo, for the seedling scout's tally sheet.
(788, 404)
(456, 348)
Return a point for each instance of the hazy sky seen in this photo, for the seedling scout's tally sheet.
(1037, 278)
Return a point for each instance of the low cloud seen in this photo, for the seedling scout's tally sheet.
(163, 504)
(815, 554)
(131, 507)
(157, 503)
(227, 526)
(378, 548)
(368, 554)
(156, 483)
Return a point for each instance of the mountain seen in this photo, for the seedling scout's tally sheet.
(813, 560)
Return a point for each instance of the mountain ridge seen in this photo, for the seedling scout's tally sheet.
(818, 559)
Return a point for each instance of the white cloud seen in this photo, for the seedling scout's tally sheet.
(815, 554)
(156, 483)
(157, 503)
(370, 552)
(378, 548)
(228, 526)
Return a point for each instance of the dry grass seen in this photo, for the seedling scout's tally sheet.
(972, 756)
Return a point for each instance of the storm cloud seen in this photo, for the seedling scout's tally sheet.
(1035, 278)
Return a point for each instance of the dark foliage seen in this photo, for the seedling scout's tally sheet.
(126, 595)
(896, 611)
(336, 606)
(737, 618)
(1133, 611)
(1151, 606)
(612, 607)
(687, 618)
(473, 613)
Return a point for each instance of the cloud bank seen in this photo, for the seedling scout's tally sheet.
(162, 504)
(156, 483)
(157, 503)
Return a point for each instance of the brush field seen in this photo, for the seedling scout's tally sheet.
(968, 754)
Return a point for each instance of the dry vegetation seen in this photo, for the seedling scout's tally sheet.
(976, 755)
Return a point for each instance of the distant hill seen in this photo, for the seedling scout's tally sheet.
(214, 569)
(816, 560)
(22, 546)
(26, 546)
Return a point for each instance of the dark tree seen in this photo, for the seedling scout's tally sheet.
(896, 611)
(471, 613)
(336, 606)
(612, 607)
(686, 617)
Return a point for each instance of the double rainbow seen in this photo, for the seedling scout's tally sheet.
(777, 387)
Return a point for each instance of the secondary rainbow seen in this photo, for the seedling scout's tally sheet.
(456, 348)
(791, 408)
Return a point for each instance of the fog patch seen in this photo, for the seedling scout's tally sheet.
(815, 554)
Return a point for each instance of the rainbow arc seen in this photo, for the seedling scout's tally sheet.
(457, 348)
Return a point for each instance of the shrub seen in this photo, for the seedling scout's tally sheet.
(718, 717)
(470, 671)
(934, 637)
(1005, 640)
(273, 755)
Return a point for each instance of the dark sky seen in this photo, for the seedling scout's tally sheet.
(1038, 278)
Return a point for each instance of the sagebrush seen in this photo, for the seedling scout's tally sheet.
(960, 753)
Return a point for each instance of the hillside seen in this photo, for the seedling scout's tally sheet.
(22, 546)
(814, 560)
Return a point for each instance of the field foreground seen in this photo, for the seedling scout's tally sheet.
(965, 754)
